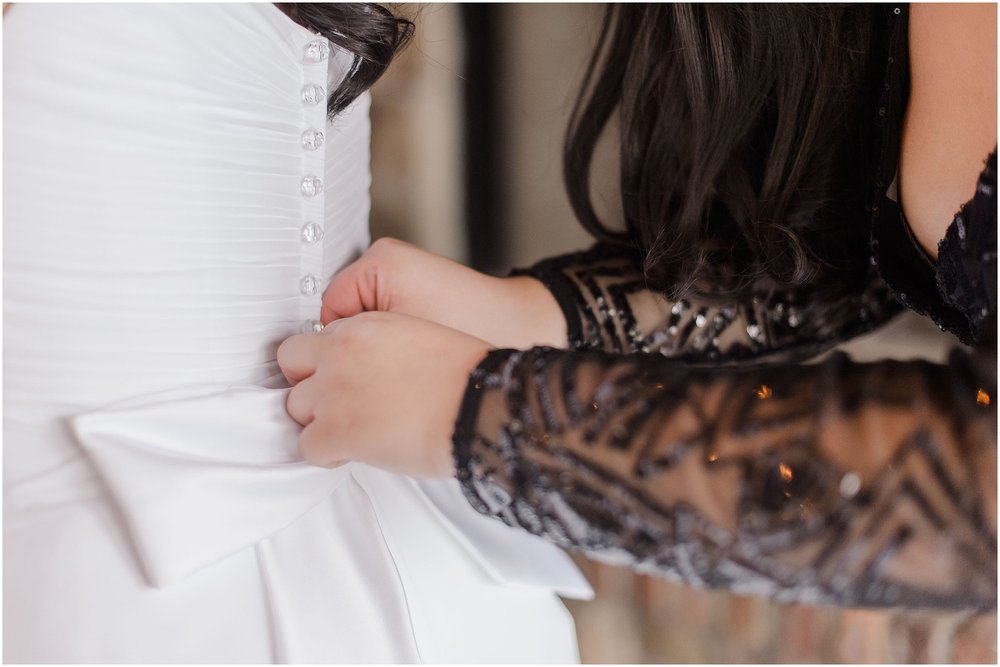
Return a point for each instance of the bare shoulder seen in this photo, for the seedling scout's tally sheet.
(951, 120)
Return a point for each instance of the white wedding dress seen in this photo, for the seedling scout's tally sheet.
(174, 203)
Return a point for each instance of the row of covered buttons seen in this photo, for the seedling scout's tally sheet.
(312, 95)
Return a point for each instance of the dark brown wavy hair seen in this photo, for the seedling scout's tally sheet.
(743, 141)
(370, 31)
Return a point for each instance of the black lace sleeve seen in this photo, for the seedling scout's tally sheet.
(844, 483)
(608, 307)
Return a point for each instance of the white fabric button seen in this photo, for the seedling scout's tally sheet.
(312, 139)
(311, 186)
(309, 284)
(312, 326)
(313, 94)
(316, 52)
(311, 232)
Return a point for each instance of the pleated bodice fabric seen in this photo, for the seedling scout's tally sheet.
(154, 205)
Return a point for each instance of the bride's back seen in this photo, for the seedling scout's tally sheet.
(155, 237)
(156, 230)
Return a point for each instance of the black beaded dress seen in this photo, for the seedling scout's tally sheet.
(692, 440)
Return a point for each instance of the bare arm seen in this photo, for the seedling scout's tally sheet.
(951, 118)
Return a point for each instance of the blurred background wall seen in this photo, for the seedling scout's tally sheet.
(466, 156)
(498, 123)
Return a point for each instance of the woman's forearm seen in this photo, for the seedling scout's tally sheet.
(842, 483)
(607, 306)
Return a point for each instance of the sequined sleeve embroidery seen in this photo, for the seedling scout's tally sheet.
(843, 483)
(608, 307)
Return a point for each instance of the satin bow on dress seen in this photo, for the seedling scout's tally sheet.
(202, 474)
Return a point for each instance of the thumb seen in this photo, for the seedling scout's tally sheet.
(354, 290)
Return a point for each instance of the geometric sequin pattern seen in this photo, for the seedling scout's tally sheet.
(852, 484)
(608, 307)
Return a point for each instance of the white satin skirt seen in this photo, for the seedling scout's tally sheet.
(191, 532)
